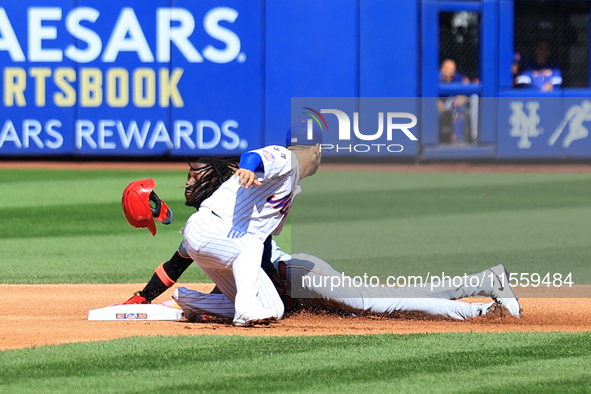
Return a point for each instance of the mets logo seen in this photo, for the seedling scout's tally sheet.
(524, 126)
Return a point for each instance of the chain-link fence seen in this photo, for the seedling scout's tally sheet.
(562, 25)
(551, 45)
(555, 33)
(459, 36)
(459, 56)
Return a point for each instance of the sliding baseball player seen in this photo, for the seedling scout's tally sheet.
(310, 278)
(207, 175)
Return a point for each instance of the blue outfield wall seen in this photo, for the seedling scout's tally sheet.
(312, 49)
(170, 78)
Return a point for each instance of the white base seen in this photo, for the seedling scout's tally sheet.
(136, 312)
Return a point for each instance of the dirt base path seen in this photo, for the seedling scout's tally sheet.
(38, 315)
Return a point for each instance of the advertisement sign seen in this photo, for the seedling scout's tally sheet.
(134, 78)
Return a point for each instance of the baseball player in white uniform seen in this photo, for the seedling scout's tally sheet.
(307, 272)
(225, 236)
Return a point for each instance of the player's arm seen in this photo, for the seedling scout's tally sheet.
(164, 277)
(250, 163)
(266, 163)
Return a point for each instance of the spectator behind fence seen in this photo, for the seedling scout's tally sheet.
(457, 114)
(448, 73)
(540, 72)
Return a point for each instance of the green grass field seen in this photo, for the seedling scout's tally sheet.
(68, 227)
(491, 363)
(414, 223)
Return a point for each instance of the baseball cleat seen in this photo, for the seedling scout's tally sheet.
(503, 293)
(263, 316)
(194, 317)
(250, 323)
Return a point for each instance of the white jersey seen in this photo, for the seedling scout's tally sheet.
(259, 210)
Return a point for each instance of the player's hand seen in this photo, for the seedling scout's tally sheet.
(246, 178)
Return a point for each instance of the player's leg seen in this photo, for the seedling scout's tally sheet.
(219, 304)
(196, 302)
(207, 243)
(362, 300)
(255, 282)
(432, 306)
(221, 276)
(492, 282)
(163, 278)
(253, 286)
(473, 285)
(232, 263)
(224, 277)
(313, 278)
(268, 295)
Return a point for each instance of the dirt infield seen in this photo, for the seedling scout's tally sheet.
(38, 315)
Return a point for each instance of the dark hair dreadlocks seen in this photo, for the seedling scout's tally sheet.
(215, 171)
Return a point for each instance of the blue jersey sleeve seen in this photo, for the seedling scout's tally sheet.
(252, 161)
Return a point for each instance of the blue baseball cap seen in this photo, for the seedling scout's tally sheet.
(298, 134)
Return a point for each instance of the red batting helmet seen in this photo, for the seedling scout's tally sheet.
(137, 208)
